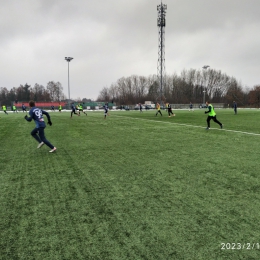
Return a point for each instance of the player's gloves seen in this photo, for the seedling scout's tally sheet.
(206, 112)
(49, 122)
(25, 117)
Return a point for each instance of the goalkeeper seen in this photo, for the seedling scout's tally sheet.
(36, 114)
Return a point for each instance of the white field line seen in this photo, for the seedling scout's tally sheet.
(195, 126)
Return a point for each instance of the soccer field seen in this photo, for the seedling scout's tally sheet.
(133, 186)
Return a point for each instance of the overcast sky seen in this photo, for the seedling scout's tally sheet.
(110, 39)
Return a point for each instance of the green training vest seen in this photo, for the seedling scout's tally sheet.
(212, 112)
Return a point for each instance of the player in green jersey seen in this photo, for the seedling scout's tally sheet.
(211, 115)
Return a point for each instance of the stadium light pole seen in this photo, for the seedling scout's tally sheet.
(68, 59)
(204, 91)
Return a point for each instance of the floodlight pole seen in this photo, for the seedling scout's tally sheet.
(68, 59)
(204, 91)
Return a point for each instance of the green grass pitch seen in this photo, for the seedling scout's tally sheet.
(133, 186)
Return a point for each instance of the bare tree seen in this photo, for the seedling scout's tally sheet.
(254, 96)
(104, 95)
(187, 87)
(55, 89)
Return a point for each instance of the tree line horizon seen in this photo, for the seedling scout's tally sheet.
(177, 89)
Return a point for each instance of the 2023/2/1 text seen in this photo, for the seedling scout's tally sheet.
(239, 246)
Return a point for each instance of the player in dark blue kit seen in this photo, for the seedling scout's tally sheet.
(191, 107)
(73, 110)
(105, 110)
(36, 114)
(24, 108)
(235, 107)
(140, 108)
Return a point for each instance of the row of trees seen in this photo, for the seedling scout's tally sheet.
(52, 92)
(182, 89)
(187, 87)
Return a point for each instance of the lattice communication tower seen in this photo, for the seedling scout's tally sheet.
(161, 21)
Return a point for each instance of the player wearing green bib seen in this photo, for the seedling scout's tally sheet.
(15, 109)
(80, 108)
(4, 109)
(211, 115)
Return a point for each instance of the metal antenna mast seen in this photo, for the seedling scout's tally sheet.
(161, 51)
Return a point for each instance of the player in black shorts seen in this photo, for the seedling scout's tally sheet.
(105, 111)
(191, 107)
(24, 108)
(140, 107)
(80, 108)
(73, 110)
(170, 110)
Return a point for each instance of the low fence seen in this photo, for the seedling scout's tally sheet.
(94, 106)
(42, 104)
(184, 106)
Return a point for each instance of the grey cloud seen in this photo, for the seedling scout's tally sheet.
(111, 39)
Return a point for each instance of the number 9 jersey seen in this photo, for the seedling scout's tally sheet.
(36, 114)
